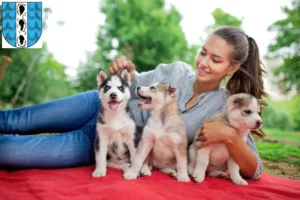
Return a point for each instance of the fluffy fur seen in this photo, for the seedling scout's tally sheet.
(164, 141)
(114, 144)
(241, 112)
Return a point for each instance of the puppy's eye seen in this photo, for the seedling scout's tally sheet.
(152, 88)
(248, 112)
(106, 88)
(121, 88)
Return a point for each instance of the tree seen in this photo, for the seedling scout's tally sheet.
(34, 76)
(142, 30)
(287, 45)
(222, 18)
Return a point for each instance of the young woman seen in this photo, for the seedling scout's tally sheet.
(226, 52)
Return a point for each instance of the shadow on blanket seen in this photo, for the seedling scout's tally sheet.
(77, 183)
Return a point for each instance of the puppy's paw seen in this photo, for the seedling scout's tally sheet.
(145, 171)
(190, 169)
(198, 177)
(126, 167)
(239, 181)
(183, 177)
(99, 173)
(223, 176)
(130, 175)
(218, 174)
(173, 174)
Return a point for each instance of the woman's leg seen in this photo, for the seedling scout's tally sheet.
(52, 151)
(62, 115)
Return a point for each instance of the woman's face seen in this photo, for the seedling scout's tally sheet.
(213, 62)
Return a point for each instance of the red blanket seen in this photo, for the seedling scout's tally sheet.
(77, 183)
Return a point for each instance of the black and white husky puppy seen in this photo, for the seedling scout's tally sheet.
(115, 128)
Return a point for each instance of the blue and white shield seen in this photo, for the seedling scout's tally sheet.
(21, 24)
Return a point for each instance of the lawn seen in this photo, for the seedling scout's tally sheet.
(279, 152)
(284, 136)
(280, 146)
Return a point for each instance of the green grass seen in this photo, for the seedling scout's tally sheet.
(279, 152)
(284, 136)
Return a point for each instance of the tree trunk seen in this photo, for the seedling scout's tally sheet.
(23, 83)
(5, 61)
(28, 82)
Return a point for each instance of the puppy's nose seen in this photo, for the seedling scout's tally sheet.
(258, 123)
(113, 96)
(138, 88)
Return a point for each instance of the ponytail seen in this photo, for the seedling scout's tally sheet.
(248, 78)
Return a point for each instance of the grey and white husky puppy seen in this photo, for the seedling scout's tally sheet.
(164, 141)
(241, 111)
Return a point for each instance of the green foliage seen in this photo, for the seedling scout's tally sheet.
(222, 18)
(50, 82)
(88, 71)
(279, 152)
(287, 45)
(191, 54)
(34, 76)
(293, 107)
(144, 30)
(283, 114)
(277, 117)
(141, 30)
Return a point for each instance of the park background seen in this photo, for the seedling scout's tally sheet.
(81, 37)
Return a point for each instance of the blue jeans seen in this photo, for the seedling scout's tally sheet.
(74, 118)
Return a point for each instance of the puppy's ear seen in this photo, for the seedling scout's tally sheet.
(172, 90)
(126, 76)
(262, 103)
(237, 98)
(101, 77)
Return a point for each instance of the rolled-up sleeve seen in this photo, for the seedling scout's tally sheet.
(162, 73)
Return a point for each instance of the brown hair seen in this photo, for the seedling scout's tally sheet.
(248, 79)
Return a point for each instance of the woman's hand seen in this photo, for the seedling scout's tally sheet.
(216, 131)
(117, 66)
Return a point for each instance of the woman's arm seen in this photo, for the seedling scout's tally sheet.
(137, 79)
(162, 73)
(244, 154)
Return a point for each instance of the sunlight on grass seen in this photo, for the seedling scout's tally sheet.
(283, 135)
(279, 152)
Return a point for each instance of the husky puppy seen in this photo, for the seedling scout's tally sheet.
(114, 143)
(241, 111)
(164, 141)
